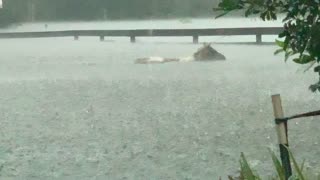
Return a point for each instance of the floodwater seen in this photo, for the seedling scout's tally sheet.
(83, 110)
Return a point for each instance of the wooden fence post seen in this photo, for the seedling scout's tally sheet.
(282, 132)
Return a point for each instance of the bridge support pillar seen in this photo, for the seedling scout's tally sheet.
(132, 39)
(76, 37)
(101, 38)
(258, 38)
(195, 39)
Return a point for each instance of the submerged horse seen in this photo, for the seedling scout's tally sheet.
(205, 53)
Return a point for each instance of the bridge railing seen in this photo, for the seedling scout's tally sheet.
(194, 33)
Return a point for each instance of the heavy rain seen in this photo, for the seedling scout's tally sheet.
(81, 108)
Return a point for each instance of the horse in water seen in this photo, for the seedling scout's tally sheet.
(205, 53)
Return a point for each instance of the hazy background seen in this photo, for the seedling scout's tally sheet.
(66, 10)
(83, 110)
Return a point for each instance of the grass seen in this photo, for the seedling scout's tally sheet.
(247, 173)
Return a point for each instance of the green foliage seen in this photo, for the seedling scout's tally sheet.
(4, 18)
(247, 173)
(298, 170)
(7, 17)
(301, 29)
(278, 166)
(63, 10)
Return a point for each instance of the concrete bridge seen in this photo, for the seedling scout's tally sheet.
(133, 33)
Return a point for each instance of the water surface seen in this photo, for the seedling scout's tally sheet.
(83, 109)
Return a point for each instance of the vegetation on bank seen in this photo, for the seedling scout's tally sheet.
(301, 25)
(299, 170)
(6, 17)
(301, 34)
(67, 10)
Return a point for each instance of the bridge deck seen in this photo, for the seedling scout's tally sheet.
(195, 33)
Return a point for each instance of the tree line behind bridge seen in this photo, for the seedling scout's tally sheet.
(66, 10)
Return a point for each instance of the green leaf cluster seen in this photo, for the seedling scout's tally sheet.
(301, 26)
(247, 173)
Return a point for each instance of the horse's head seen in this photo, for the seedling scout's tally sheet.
(206, 52)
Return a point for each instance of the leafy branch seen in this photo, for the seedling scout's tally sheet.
(301, 26)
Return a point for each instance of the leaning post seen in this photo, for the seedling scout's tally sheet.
(282, 131)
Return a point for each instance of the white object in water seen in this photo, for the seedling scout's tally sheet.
(156, 59)
(186, 59)
(205, 53)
